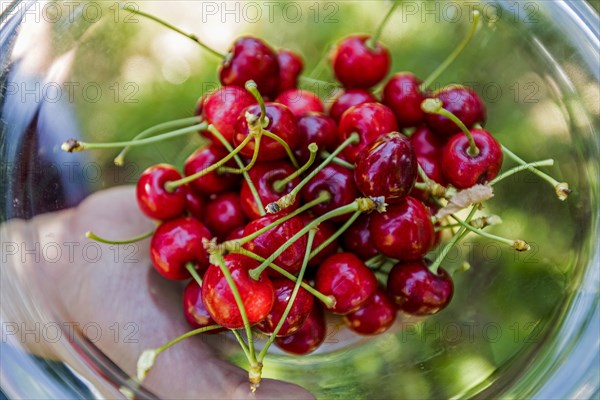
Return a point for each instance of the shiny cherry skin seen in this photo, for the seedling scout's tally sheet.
(349, 98)
(195, 204)
(223, 214)
(290, 68)
(464, 170)
(339, 182)
(301, 308)
(404, 231)
(236, 233)
(257, 296)
(416, 290)
(387, 167)
(264, 176)
(370, 121)
(426, 143)
(373, 318)
(309, 337)
(282, 123)
(251, 58)
(325, 230)
(212, 182)
(318, 128)
(193, 309)
(300, 101)
(222, 109)
(357, 238)
(152, 197)
(267, 243)
(345, 277)
(356, 65)
(176, 243)
(461, 101)
(403, 96)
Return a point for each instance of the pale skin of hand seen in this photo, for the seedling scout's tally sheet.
(110, 289)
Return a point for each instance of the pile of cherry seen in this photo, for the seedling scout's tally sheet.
(292, 209)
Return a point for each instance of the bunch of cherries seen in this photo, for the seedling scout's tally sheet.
(292, 209)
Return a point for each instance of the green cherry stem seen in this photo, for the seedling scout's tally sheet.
(225, 169)
(519, 245)
(435, 106)
(192, 270)
(74, 145)
(252, 87)
(337, 160)
(372, 41)
(286, 146)
(241, 342)
(288, 307)
(178, 123)
(93, 236)
(279, 186)
(376, 260)
(166, 24)
(337, 234)
(560, 188)
(544, 163)
(215, 132)
(452, 56)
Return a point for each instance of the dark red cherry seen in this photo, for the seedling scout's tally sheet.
(200, 105)
(193, 309)
(418, 291)
(152, 197)
(236, 233)
(290, 68)
(349, 98)
(463, 170)
(461, 101)
(356, 65)
(345, 277)
(267, 243)
(300, 101)
(300, 310)
(223, 214)
(195, 205)
(357, 238)
(257, 295)
(251, 59)
(373, 318)
(403, 96)
(308, 337)
(264, 176)
(387, 167)
(282, 123)
(426, 143)
(222, 109)
(339, 182)
(318, 128)
(325, 230)
(404, 231)
(370, 121)
(176, 243)
(212, 182)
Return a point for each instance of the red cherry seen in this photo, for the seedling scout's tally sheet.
(345, 277)
(387, 167)
(356, 65)
(403, 96)
(176, 243)
(193, 309)
(339, 182)
(308, 337)
(223, 214)
(257, 295)
(236, 233)
(195, 204)
(223, 107)
(426, 143)
(267, 243)
(212, 182)
(349, 98)
(463, 170)
(300, 101)
(418, 291)
(290, 67)
(251, 59)
(318, 128)
(404, 231)
(282, 123)
(264, 176)
(152, 197)
(300, 310)
(370, 121)
(357, 238)
(373, 318)
(461, 101)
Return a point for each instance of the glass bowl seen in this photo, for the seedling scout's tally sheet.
(520, 325)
